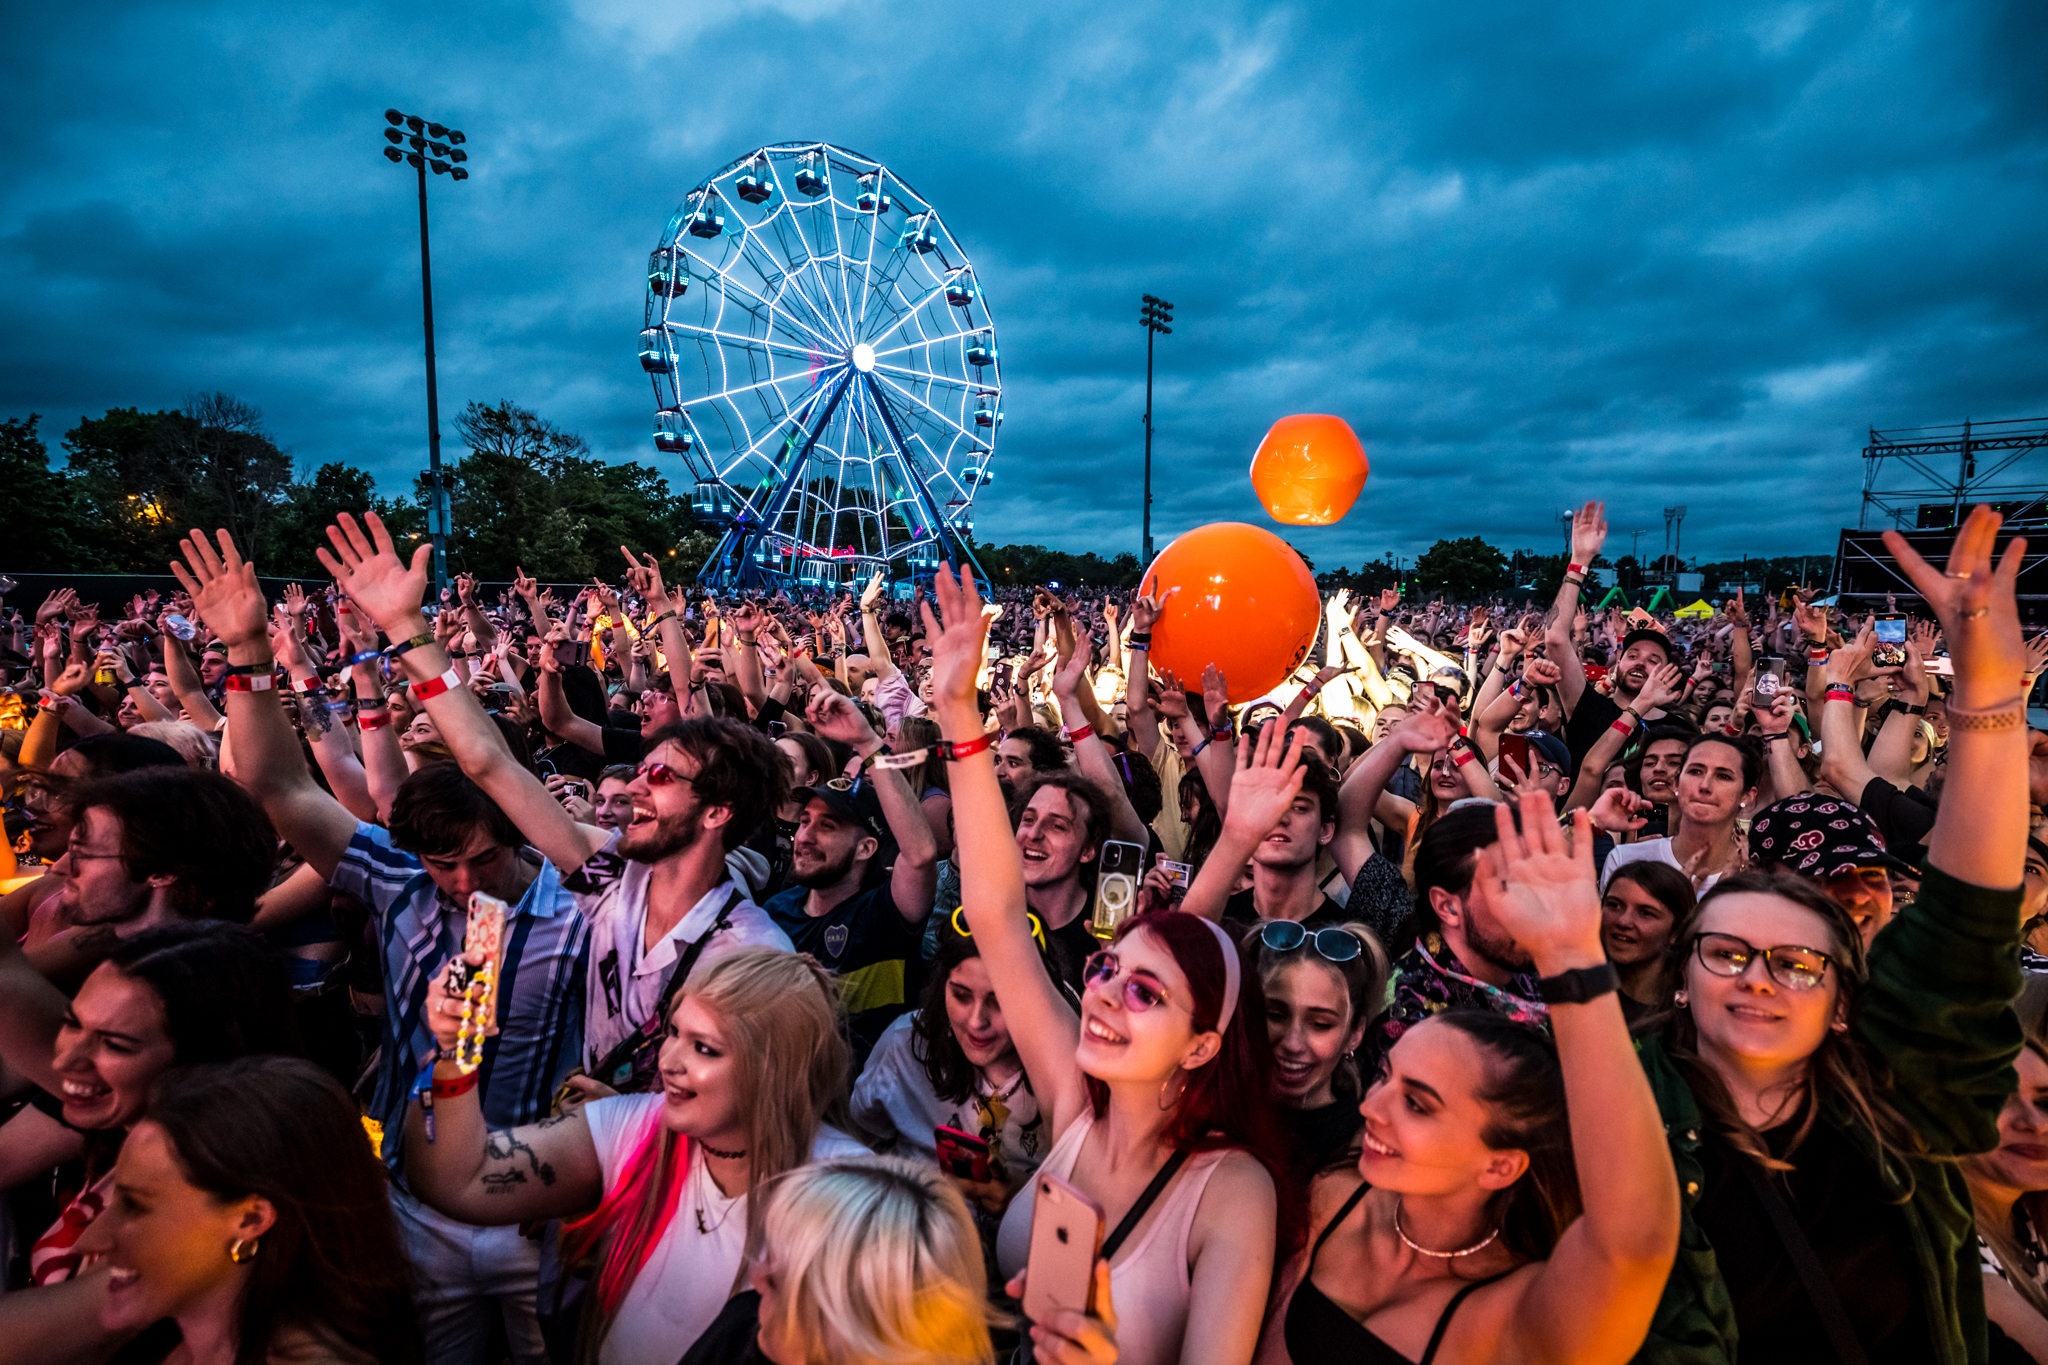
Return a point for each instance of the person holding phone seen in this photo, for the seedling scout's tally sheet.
(1160, 1071)
(945, 1084)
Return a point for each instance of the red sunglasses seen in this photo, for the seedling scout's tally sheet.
(1141, 993)
(658, 774)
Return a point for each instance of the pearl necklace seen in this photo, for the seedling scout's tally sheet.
(1420, 1250)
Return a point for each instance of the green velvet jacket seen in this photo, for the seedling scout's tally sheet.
(1937, 1012)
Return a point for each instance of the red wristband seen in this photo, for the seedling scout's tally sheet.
(1838, 693)
(1079, 733)
(1621, 726)
(372, 722)
(461, 1085)
(1460, 756)
(434, 687)
(1816, 654)
(253, 682)
(1574, 568)
(967, 748)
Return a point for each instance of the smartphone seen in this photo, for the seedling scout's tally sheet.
(1182, 875)
(1891, 642)
(1116, 885)
(1770, 679)
(483, 933)
(1515, 747)
(963, 1154)
(1066, 1239)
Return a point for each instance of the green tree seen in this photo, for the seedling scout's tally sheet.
(310, 507)
(530, 495)
(47, 534)
(1462, 569)
(1030, 565)
(143, 479)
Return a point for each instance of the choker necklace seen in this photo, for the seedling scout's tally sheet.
(1420, 1250)
(722, 1156)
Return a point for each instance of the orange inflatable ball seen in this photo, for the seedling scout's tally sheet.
(1309, 469)
(1246, 603)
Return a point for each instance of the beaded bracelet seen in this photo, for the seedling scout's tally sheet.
(2009, 715)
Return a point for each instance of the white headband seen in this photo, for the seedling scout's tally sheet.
(1232, 972)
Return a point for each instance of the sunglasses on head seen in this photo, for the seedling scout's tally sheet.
(1141, 992)
(1334, 945)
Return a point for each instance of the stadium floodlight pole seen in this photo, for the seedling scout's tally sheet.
(431, 144)
(1155, 314)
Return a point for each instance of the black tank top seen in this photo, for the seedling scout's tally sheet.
(1318, 1330)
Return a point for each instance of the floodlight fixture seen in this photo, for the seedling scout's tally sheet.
(1155, 313)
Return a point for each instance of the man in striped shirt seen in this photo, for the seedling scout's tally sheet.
(445, 839)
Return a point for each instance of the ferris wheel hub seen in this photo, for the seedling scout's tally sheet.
(863, 357)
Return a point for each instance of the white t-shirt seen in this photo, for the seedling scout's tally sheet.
(894, 1107)
(1652, 851)
(694, 1267)
(625, 985)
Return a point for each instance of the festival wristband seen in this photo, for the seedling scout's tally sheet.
(310, 683)
(1079, 733)
(254, 682)
(968, 748)
(461, 1085)
(1919, 710)
(368, 656)
(665, 616)
(1621, 725)
(372, 722)
(1197, 751)
(1575, 568)
(1836, 692)
(244, 670)
(1461, 754)
(1140, 639)
(402, 646)
(434, 687)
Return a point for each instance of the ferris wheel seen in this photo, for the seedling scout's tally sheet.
(825, 365)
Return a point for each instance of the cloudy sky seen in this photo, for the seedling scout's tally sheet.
(1534, 254)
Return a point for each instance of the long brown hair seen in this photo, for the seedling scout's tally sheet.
(331, 1266)
(1999, 1232)
(1840, 1073)
(780, 1019)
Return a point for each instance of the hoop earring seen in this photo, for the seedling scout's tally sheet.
(240, 1251)
(1166, 1105)
(1680, 999)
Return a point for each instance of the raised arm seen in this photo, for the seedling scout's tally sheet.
(1041, 1021)
(1091, 755)
(915, 878)
(268, 760)
(1422, 732)
(185, 683)
(880, 663)
(1842, 764)
(492, 1177)
(1264, 787)
(1589, 536)
(1592, 1301)
(364, 563)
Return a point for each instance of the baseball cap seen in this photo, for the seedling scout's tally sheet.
(1656, 637)
(851, 800)
(1554, 750)
(1819, 837)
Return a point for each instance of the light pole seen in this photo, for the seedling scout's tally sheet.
(1155, 314)
(434, 145)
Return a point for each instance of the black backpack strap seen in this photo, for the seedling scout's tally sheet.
(1820, 1291)
(624, 1050)
(1145, 1201)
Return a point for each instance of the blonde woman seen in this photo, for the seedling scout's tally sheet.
(752, 1064)
(858, 1261)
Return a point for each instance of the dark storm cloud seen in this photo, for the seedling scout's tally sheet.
(1638, 252)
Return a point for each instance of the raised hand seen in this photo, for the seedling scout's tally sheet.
(1067, 681)
(465, 589)
(1423, 731)
(1777, 718)
(1619, 811)
(2037, 655)
(1263, 788)
(1926, 636)
(1215, 697)
(1541, 673)
(1850, 663)
(295, 603)
(1170, 699)
(1737, 610)
(367, 567)
(748, 619)
(1665, 685)
(1589, 532)
(1976, 605)
(1390, 599)
(1542, 893)
(1811, 621)
(644, 576)
(872, 593)
(1145, 610)
(56, 605)
(522, 585)
(224, 589)
(957, 645)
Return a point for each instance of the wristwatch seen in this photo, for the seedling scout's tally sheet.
(1577, 987)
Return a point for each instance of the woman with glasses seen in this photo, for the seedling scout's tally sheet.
(945, 1084)
(1322, 988)
(1814, 1099)
(1157, 1091)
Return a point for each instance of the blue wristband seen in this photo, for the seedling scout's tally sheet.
(366, 657)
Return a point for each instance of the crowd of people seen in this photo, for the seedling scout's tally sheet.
(1509, 984)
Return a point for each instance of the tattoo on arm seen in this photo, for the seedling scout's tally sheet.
(318, 720)
(505, 1148)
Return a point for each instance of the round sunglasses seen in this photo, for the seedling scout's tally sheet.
(1333, 945)
(1141, 992)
